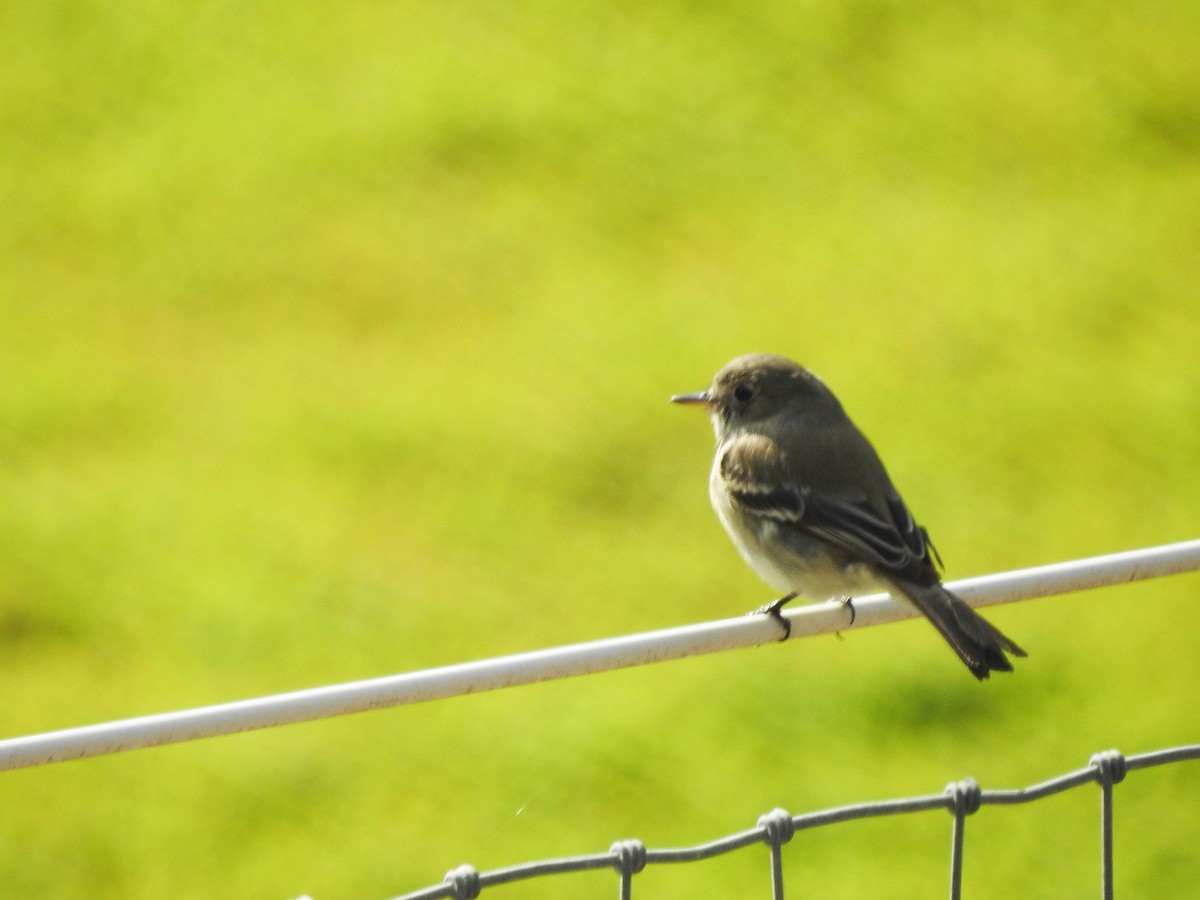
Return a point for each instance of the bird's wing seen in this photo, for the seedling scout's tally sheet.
(879, 530)
(754, 477)
(882, 533)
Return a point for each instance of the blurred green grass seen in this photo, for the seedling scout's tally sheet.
(337, 342)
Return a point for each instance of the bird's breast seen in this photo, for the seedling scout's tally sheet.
(785, 555)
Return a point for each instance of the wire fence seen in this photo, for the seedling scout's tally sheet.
(776, 828)
(630, 857)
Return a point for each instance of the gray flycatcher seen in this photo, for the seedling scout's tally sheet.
(809, 505)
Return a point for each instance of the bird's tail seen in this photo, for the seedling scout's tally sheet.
(978, 643)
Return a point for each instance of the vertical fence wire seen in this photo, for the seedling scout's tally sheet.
(964, 797)
(629, 858)
(956, 854)
(1111, 768)
(776, 873)
(778, 828)
(1106, 841)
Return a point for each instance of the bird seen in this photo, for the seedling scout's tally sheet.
(809, 505)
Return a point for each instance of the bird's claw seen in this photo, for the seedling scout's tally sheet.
(848, 601)
(774, 609)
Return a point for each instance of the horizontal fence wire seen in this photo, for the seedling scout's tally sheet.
(777, 827)
(577, 659)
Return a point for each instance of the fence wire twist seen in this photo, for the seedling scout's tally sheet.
(777, 827)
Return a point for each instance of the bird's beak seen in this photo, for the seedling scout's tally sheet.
(700, 398)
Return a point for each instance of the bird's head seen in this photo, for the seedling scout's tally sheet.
(756, 387)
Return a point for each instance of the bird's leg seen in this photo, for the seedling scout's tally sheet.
(774, 609)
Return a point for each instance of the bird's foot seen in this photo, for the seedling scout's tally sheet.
(774, 609)
(848, 601)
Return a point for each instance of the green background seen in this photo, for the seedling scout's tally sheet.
(336, 342)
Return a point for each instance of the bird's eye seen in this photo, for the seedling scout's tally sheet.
(743, 393)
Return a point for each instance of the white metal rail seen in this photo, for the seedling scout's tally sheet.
(576, 659)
